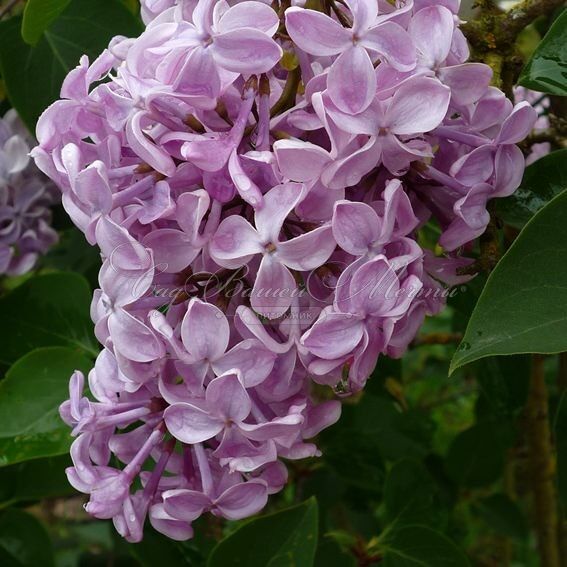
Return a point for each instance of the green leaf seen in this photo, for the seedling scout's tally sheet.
(395, 434)
(49, 310)
(30, 426)
(523, 307)
(504, 382)
(560, 429)
(412, 496)
(33, 75)
(546, 71)
(24, 541)
(329, 554)
(477, 455)
(38, 16)
(35, 480)
(420, 546)
(74, 254)
(284, 539)
(503, 516)
(156, 549)
(346, 451)
(543, 180)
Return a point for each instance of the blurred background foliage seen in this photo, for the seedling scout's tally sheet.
(422, 470)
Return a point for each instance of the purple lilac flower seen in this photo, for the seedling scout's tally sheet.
(25, 198)
(257, 240)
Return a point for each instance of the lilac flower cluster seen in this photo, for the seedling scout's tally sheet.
(25, 198)
(255, 179)
(540, 103)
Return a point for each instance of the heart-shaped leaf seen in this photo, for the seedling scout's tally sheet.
(30, 395)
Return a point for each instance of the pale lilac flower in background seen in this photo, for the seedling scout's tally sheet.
(540, 103)
(26, 196)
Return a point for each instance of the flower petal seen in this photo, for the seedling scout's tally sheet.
(518, 125)
(509, 165)
(204, 330)
(472, 207)
(468, 82)
(278, 204)
(246, 188)
(350, 170)
(315, 32)
(174, 529)
(190, 211)
(146, 149)
(419, 105)
(191, 424)
(116, 244)
(273, 289)
(364, 13)
(352, 81)
(474, 167)
(299, 160)
(431, 30)
(92, 188)
(16, 154)
(251, 358)
(171, 248)
(199, 75)
(393, 44)
(355, 226)
(184, 504)
(135, 340)
(373, 287)
(249, 15)
(242, 500)
(308, 251)
(246, 51)
(229, 397)
(234, 243)
(333, 335)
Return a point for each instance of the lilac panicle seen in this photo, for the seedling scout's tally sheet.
(255, 181)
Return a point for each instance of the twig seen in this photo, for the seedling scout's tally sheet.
(525, 13)
(542, 465)
(562, 523)
(438, 339)
(497, 30)
(493, 37)
(8, 7)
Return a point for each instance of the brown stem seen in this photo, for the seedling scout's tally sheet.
(6, 9)
(562, 527)
(562, 373)
(493, 37)
(496, 30)
(541, 137)
(525, 13)
(510, 490)
(438, 339)
(542, 466)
